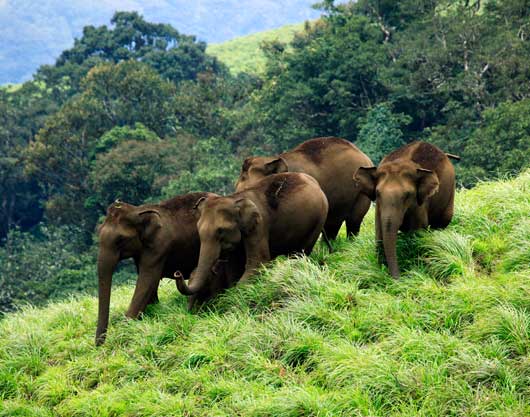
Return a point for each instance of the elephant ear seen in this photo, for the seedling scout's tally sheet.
(427, 184)
(249, 216)
(365, 178)
(276, 166)
(199, 205)
(148, 221)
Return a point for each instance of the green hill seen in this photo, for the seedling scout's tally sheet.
(243, 54)
(332, 335)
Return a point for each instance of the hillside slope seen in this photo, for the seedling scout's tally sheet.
(332, 335)
(243, 54)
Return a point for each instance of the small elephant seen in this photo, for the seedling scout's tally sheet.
(414, 187)
(332, 162)
(280, 215)
(161, 238)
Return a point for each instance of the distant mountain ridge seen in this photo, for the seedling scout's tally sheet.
(35, 33)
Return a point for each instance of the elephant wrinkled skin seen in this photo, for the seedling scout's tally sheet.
(414, 187)
(161, 238)
(332, 162)
(280, 215)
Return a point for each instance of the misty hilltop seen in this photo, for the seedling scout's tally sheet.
(35, 33)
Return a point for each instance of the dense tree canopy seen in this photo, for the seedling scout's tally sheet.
(173, 55)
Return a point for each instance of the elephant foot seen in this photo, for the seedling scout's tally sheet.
(327, 241)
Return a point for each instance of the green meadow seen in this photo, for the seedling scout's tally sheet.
(244, 54)
(328, 335)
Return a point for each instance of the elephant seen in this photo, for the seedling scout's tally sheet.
(332, 162)
(280, 215)
(161, 238)
(414, 187)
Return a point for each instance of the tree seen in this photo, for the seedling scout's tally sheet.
(213, 167)
(501, 145)
(22, 113)
(112, 95)
(133, 171)
(174, 56)
(381, 132)
(324, 83)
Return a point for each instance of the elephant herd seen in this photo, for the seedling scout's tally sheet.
(281, 206)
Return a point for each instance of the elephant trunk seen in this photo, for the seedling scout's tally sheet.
(390, 229)
(107, 261)
(208, 256)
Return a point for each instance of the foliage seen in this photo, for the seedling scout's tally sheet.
(113, 95)
(120, 134)
(22, 113)
(501, 144)
(35, 33)
(176, 57)
(324, 83)
(133, 171)
(44, 266)
(244, 54)
(381, 132)
(332, 334)
(212, 167)
(204, 108)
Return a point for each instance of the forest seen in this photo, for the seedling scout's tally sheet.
(35, 33)
(138, 111)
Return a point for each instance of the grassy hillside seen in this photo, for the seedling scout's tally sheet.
(332, 335)
(243, 54)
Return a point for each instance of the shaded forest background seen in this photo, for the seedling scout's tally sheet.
(139, 111)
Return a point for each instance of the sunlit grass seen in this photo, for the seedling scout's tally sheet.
(244, 54)
(329, 335)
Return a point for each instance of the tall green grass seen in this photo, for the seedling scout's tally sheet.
(329, 335)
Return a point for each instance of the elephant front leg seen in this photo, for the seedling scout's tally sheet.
(146, 289)
(257, 252)
(153, 299)
(379, 237)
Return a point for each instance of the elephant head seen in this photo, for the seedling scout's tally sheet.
(124, 233)
(257, 168)
(396, 188)
(223, 224)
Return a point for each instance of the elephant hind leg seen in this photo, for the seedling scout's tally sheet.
(331, 228)
(327, 241)
(447, 214)
(356, 216)
(312, 238)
